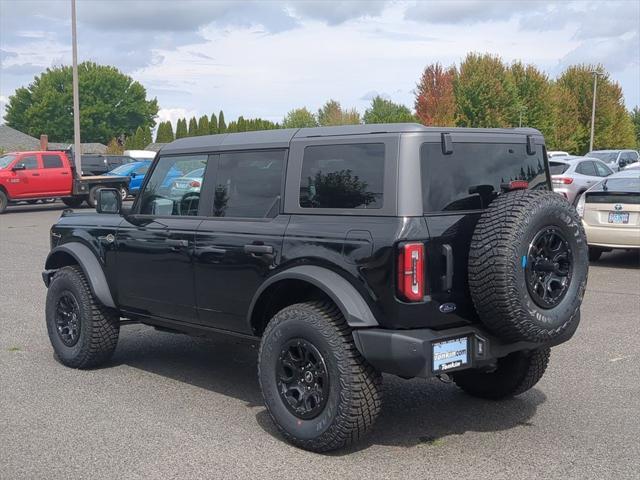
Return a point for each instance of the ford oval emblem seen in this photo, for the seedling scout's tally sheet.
(448, 307)
(618, 206)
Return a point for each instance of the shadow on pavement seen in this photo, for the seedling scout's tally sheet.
(619, 259)
(414, 413)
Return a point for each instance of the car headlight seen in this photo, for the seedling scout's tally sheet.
(580, 205)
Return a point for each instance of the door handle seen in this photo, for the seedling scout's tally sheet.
(64, 173)
(176, 244)
(258, 249)
(35, 174)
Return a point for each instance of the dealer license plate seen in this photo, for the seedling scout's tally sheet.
(618, 217)
(450, 354)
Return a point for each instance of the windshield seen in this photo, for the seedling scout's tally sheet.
(5, 160)
(121, 170)
(558, 168)
(604, 156)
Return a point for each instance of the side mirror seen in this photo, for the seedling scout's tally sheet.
(132, 174)
(108, 201)
(19, 166)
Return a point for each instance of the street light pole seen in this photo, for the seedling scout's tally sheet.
(593, 108)
(76, 100)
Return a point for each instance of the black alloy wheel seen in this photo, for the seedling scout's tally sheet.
(302, 379)
(68, 319)
(549, 267)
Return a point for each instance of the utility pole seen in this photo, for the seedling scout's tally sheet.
(76, 97)
(593, 107)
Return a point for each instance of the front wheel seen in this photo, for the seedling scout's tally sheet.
(514, 374)
(124, 193)
(4, 201)
(83, 332)
(321, 394)
(93, 195)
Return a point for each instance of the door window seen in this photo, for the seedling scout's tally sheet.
(30, 162)
(141, 170)
(51, 161)
(586, 168)
(602, 170)
(342, 176)
(169, 190)
(248, 184)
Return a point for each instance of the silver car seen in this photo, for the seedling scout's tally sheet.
(571, 175)
(191, 182)
(615, 159)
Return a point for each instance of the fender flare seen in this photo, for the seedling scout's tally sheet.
(350, 302)
(89, 264)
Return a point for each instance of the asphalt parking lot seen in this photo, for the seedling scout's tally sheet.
(170, 406)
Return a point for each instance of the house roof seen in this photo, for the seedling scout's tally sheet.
(12, 140)
(155, 147)
(84, 147)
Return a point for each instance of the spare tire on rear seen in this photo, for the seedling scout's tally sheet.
(528, 265)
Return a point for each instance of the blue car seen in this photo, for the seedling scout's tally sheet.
(135, 170)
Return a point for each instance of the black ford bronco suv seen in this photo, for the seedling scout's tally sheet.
(345, 252)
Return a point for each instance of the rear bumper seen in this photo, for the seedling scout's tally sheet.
(613, 237)
(408, 353)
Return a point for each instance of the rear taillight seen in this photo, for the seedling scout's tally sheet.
(194, 184)
(561, 180)
(411, 272)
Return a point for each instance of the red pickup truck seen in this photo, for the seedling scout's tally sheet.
(49, 174)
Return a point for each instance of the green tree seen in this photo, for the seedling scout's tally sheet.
(222, 126)
(635, 120)
(385, 111)
(146, 137)
(193, 127)
(181, 128)
(435, 103)
(213, 124)
(533, 89)
(242, 125)
(567, 133)
(111, 104)
(484, 92)
(203, 125)
(613, 126)
(299, 118)
(165, 133)
(331, 113)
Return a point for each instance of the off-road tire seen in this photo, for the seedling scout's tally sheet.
(92, 197)
(595, 254)
(72, 202)
(355, 387)
(4, 201)
(99, 326)
(498, 261)
(515, 374)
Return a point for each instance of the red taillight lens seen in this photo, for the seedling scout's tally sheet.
(518, 185)
(411, 272)
(562, 180)
(194, 184)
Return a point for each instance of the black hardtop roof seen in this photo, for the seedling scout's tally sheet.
(281, 138)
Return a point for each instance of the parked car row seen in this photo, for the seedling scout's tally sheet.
(572, 175)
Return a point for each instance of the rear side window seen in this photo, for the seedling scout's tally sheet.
(586, 168)
(473, 175)
(558, 168)
(51, 161)
(248, 184)
(343, 176)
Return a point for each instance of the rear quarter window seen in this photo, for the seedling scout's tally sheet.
(473, 175)
(343, 176)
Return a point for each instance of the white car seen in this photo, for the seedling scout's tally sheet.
(615, 159)
(632, 166)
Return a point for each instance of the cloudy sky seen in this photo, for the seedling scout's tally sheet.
(262, 58)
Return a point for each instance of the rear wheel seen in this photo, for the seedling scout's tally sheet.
(595, 254)
(73, 202)
(124, 193)
(515, 374)
(319, 391)
(83, 332)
